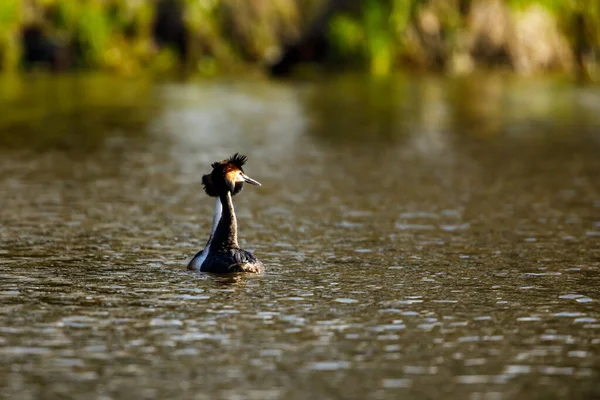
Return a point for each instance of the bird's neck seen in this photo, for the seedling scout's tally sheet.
(215, 221)
(225, 234)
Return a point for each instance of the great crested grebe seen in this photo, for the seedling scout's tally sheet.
(222, 253)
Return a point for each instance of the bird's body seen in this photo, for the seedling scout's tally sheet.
(222, 253)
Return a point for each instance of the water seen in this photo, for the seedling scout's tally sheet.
(423, 237)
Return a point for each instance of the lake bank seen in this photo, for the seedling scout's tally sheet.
(227, 37)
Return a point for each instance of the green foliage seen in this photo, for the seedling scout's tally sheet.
(93, 32)
(203, 22)
(400, 15)
(200, 13)
(347, 36)
(9, 14)
(380, 44)
(552, 5)
(370, 38)
(9, 21)
(227, 34)
(66, 15)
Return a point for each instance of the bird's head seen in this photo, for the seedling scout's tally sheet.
(227, 176)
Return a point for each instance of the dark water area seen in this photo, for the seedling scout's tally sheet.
(424, 238)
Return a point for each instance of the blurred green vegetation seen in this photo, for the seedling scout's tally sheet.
(9, 26)
(221, 36)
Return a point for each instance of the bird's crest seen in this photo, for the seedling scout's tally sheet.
(237, 160)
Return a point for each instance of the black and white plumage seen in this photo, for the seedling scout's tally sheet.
(222, 253)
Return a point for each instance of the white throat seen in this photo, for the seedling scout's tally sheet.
(197, 262)
(216, 218)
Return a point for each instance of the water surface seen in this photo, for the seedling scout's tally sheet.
(423, 237)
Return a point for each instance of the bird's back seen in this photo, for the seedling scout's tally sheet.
(232, 260)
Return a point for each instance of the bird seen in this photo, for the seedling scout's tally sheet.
(222, 253)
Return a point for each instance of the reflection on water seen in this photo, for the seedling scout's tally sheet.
(424, 238)
(70, 113)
